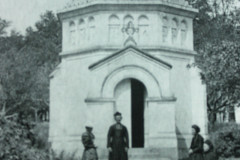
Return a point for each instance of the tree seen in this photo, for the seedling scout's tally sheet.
(45, 45)
(26, 62)
(9, 45)
(25, 65)
(213, 22)
(3, 25)
(220, 65)
(218, 50)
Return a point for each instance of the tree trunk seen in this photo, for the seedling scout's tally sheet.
(36, 115)
(212, 117)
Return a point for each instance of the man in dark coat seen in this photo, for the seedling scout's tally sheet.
(196, 148)
(117, 140)
(209, 153)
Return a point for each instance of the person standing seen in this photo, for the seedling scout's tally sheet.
(117, 140)
(90, 152)
(196, 148)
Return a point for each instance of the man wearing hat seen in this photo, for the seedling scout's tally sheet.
(196, 148)
(117, 140)
(90, 152)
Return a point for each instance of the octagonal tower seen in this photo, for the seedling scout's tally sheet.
(129, 56)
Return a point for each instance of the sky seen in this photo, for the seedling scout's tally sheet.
(24, 13)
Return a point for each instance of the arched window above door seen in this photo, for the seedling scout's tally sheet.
(165, 29)
(91, 29)
(174, 26)
(143, 25)
(114, 29)
(183, 28)
(127, 19)
(82, 31)
(72, 33)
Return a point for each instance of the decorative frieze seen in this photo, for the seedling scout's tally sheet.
(85, 32)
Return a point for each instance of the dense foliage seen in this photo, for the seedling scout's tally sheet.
(220, 66)
(17, 141)
(21, 140)
(226, 138)
(25, 65)
(216, 40)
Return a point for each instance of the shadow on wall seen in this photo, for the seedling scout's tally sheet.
(182, 146)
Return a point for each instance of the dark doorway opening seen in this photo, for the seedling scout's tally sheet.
(137, 96)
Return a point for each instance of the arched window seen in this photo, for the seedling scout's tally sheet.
(126, 20)
(91, 28)
(82, 32)
(174, 31)
(165, 30)
(143, 25)
(72, 29)
(183, 32)
(114, 29)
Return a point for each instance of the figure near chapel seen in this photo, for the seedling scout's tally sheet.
(90, 152)
(117, 140)
(196, 148)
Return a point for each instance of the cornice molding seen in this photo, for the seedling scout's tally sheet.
(162, 99)
(161, 7)
(100, 100)
(89, 50)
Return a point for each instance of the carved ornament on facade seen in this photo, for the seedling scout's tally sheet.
(130, 30)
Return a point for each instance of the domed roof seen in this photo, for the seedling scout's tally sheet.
(75, 4)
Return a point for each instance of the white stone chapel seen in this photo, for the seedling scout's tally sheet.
(129, 56)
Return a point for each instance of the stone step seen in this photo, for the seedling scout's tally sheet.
(136, 154)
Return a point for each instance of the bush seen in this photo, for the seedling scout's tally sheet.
(40, 132)
(16, 142)
(226, 139)
(23, 141)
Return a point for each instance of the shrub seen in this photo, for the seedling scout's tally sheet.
(16, 142)
(40, 132)
(21, 140)
(226, 139)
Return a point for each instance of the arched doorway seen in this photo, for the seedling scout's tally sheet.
(138, 96)
(130, 97)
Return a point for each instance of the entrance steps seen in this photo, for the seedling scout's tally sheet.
(136, 154)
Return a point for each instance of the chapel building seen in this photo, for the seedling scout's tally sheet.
(130, 56)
